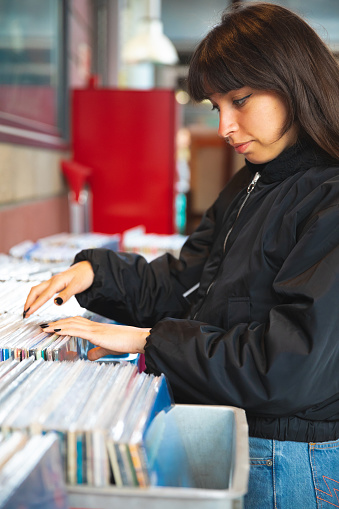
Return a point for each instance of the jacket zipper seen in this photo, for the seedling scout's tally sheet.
(250, 188)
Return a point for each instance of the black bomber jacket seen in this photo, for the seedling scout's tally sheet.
(261, 332)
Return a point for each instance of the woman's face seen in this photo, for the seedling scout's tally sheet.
(251, 122)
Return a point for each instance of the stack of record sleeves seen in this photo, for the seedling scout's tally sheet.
(20, 341)
(30, 472)
(23, 342)
(61, 248)
(100, 412)
(21, 338)
(151, 245)
(13, 295)
(38, 261)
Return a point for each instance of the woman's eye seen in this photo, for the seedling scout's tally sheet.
(241, 102)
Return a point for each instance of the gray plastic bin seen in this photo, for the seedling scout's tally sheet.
(216, 442)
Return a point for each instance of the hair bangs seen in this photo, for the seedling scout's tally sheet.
(209, 74)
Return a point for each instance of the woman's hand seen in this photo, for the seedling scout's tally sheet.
(111, 339)
(74, 280)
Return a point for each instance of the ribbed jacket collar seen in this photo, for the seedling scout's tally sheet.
(300, 157)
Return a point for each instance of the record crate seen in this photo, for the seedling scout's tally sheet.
(212, 473)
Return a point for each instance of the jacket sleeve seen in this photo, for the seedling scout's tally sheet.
(132, 291)
(280, 367)
(129, 290)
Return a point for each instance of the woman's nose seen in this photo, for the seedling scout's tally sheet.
(227, 124)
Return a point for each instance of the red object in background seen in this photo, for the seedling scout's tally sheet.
(127, 138)
(77, 176)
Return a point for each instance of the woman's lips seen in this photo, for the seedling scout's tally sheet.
(241, 147)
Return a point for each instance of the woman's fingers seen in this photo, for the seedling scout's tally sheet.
(74, 280)
(104, 335)
(111, 337)
(39, 295)
(78, 278)
(76, 326)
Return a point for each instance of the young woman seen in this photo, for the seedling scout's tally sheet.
(248, 315)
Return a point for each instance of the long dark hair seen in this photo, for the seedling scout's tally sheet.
(268, 47)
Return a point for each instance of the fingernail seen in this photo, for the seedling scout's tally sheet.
(57, 330)
(58, 301)
(25, 312)
(43, 325)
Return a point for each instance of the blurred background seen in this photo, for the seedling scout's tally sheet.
(97, 131)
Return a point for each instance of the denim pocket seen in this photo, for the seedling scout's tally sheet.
(324, 458)
(260, 483)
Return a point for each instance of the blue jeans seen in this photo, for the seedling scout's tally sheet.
(293, 475)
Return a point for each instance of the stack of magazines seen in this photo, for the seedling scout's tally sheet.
(100, 412)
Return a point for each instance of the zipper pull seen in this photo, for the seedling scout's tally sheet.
(250, 188)
(253, 183)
